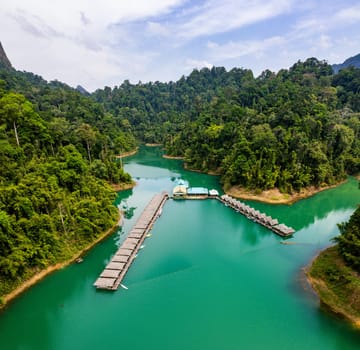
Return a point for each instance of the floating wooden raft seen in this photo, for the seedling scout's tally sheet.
(255, 215)
(115, 271)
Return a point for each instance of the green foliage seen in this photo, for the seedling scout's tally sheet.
(57, 158)
(337, 284)
(349, 240)
(290, 130)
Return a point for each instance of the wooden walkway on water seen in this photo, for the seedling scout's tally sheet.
(261, 218)
(117, 268)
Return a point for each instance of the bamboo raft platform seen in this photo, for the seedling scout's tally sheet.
(116, 269)
(261, 218)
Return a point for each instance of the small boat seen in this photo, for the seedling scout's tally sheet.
(123, 286)
(79, 260)
(142, 246)
(149, 235)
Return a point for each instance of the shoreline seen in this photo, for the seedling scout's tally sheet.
(172, 157)
(153, 144)
(212, 173)
(38, 276)
(326, 296)
(123, 186)
(127, 154)
(274, 196)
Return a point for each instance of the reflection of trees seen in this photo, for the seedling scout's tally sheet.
(152, 156)
(129, 212)
(305, 212)
(298, 215)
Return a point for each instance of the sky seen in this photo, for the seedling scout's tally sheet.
(97, 43)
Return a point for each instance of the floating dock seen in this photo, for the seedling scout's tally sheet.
(117, 268)
(261, 218)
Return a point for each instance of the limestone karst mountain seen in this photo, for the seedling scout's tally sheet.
(4, 61)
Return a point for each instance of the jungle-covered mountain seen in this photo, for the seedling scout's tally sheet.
(291, 129)
(57, 160)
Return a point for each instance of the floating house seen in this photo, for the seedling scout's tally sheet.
(179, 191)
(182, 191)
(198, 192)
(257, 216)
(213, 193)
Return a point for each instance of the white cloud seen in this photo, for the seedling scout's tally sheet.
(157, 29)
(191, 64)
(96, 43)
(219, 16)
(351, 14)
(86, 42)
(233, 49)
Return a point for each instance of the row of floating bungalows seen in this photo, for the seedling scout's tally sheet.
(115, 271)
(255, 215)
(182, 191)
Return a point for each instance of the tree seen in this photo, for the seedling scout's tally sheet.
(349, 240)
(88, 135)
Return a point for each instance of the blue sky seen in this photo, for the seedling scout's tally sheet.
(97, 43)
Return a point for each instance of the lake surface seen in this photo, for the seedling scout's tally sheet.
(208, 278)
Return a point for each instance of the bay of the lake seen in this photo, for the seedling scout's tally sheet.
(207, 278)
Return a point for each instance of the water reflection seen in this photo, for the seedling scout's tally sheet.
(223, 281)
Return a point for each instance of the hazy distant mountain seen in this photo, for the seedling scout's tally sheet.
(352, 61)
(82, 90)
(4, 61)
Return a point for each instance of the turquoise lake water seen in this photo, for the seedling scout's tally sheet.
(208, 278)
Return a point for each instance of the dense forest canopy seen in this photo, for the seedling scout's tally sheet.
(290, 130)
(57, 152)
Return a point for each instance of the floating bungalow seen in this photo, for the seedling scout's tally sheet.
(213, 193)
(181, 191)
(197, 192)
(256, 216)
(111, 277)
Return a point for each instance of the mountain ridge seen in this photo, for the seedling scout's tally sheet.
(353, 61)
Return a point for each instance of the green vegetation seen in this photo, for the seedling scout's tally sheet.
(57, 155)
(337, 285)
(349, 240)
(335, 272)
(290, 130)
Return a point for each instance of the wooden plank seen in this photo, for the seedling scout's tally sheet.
(135, 235)
(115, 271)
(113, 265)
(120, 258)
(136, 232)
(122, 251)
(132, 240)
(130, 246)
(110, 273)
(105, 283)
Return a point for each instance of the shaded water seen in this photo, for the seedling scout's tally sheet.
(208, 278)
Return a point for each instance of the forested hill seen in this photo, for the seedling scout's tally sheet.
(290, 130)
(57, 152)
